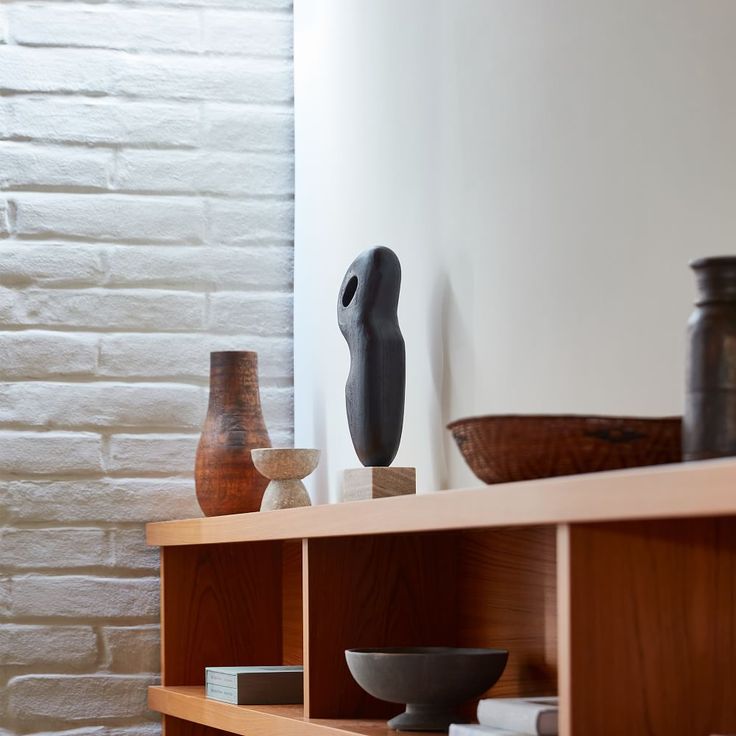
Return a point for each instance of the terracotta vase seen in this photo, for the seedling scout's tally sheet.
(226, 479)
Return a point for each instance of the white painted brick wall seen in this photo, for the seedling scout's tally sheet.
(146, 219)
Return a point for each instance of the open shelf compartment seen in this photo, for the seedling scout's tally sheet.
(487, 588)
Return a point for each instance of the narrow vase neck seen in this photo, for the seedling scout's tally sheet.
(234, 381)
(716, 278)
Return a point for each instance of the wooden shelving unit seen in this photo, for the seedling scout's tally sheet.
(617, 590)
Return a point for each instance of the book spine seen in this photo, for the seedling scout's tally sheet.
(464, 729)
(512, 716)
(223, 694)
(221, 678)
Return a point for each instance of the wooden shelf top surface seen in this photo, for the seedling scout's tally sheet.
(705, 488)
(190, 704)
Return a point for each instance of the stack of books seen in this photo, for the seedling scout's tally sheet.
(512, 717)
(255, 685)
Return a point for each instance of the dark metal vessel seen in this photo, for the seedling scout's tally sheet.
(374, 393)
(709, 423)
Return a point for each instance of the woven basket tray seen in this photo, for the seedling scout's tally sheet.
(505, 448)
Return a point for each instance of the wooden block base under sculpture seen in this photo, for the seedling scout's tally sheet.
(360, 484)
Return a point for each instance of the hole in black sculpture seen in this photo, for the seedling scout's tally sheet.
(350, 289)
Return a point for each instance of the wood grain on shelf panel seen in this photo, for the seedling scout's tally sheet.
(506, 599)
(293, 645)
(177, 727)
(396, 590)
(651, 633)
(221, 605)
(190, 704)
(564, 635)
(667, 491)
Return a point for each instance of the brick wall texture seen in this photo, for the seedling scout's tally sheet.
(146, 218)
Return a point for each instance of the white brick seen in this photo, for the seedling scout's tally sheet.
(50, 265)
(283, 437)
(252, 314)
(25, 549)
(145, 75)
(108, 500)
(110, 218)
(43, 453)
(105, 27)
(188, 356)
(84, 597)
(237, 128)
(126, 309)
(200, 267)
(132, 553)
(232, 32)
(148, 729)
(24, 165)
(278, 409)
(4, 219)
(91, 731)
(36, 354)
(78, 405)
(55, 70)
(211, 78)
(240, 4)
(142, 729)
(139, 454)
(4, 599)
(132, 649)
(207, 173)
(90, 121)
(66, 646)
(69, 698)
(245, 222)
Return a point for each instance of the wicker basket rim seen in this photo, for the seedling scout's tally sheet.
(495, 418)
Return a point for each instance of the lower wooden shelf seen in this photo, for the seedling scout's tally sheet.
(190, 704)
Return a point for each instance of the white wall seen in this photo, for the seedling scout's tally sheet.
(146, 165)
(545, 170)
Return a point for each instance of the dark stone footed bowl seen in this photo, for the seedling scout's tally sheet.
(431, 681)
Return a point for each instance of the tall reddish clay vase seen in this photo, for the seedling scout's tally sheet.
(226, 480)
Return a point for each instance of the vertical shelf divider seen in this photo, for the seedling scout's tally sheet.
(648, 627)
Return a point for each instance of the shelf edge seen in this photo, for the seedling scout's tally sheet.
(235, 719)
(705, 488)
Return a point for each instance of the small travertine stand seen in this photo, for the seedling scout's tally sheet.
(360, 484)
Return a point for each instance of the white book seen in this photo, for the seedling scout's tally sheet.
(265, 685)
(223, 694)
(231, 676)
(536, 716)
(475, 729)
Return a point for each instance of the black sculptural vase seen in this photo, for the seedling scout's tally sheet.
(368, 319)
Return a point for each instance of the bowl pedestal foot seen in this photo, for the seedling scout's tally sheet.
(425, 718)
